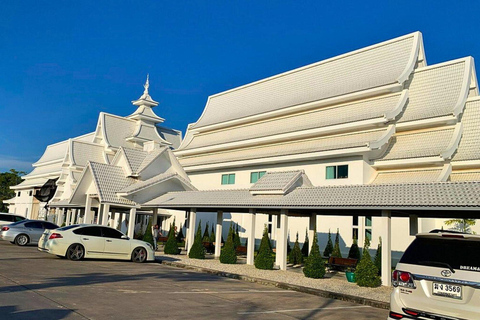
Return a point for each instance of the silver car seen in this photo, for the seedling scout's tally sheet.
(25, 232)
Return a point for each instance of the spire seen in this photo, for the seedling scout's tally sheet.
(145, 99)
(146, 85)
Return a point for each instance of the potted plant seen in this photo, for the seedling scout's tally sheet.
(350, 274)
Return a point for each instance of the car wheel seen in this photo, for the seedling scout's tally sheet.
(139, 255)
(21, 240)
(75, 252)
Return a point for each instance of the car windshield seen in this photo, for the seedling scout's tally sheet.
(16, 223)
(444, 253)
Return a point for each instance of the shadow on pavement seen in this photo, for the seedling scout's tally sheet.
(12, 313)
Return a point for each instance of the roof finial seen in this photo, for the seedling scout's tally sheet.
(146, 85)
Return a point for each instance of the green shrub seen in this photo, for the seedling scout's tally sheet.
(228, 254)
(378, 256)
(289, 247)
(197, 251)
(206, 235)
(180, 235)
(305, 245)
(314, 264)
(148, 236)
(236, 238)
(336, 249)
(329, 247)
(265, 257)
(212, 235)
(366, 271)
(296, 256)
(354, 252)
(171, 246)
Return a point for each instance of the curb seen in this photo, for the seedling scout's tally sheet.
(283, 285)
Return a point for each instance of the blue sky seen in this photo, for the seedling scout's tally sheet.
(61, 63)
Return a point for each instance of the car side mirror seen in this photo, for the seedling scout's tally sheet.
(125, 237)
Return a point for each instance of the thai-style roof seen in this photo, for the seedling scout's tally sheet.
(322, 144)
(469, 146)
(81, 152)
(141, 185)
(53, 169)
(408, 176)
(470, 175)
(53, 152)
(382, 64)
(425, 196)
(280, 182)
(438, 90)
(31, 183)
(109, 180)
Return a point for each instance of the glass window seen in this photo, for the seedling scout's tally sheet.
(89, 231)
(34, 225)
(368, 234)
(49, 225)
(68, 227)
(18, 194)
(342, 172)
(30, 193)
(17, 218)
(228, 178)
(111, 233)
(331, 172)
(368, 221)
(254, 176)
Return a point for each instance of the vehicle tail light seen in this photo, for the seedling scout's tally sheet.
(55, 236)
(402, 279)
(410, 312)
(5, 228)
(395, 315)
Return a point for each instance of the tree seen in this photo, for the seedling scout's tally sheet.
(180, 235)
(329, 247)
(305, 245)
(212, 235)
(462, 225)
(228, 254)
(296, 256)
(366, 271)
(378, 256)
(148, 236)
(206, 235)
(171, 246)
(236, 239)
(197, 251)
(354, 252)
(336, 249)
(264, 259)
(314, 264)
(8, 179)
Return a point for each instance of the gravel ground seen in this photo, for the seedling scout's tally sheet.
(333, 282)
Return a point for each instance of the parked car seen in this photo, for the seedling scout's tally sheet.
(76, 242)
(25, 232)
(9, 218)
(438, 277)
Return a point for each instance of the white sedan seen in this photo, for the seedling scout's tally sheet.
(80, 241)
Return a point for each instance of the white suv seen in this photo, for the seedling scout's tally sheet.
(438, 277)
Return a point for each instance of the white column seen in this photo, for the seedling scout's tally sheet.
(72, 216)
(68, 217)
(131, 222)
(251, 236)
(386, 234)
(60, 218)
(155, 217)
(312, 227)
(282, 236)
(191, 228)
(88, 217)
(218, 233)
(106, 210)
(413, 222)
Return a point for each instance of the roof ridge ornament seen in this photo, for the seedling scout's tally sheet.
(145, 99)
(146, 85)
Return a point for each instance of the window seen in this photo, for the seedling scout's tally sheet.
(50, 226)
(17, 218)
(89, 231)
(30, 193)
(18, 194)
(368, 227)
(337, 172)
(111, 233)
(355, 227)
(254, 176)
(34, 225)
(228, 178)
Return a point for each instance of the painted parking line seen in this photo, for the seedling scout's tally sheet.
(234, 291)
(297, 310)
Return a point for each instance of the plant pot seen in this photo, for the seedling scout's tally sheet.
(350, 276)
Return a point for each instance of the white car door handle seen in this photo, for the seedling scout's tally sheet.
(109, 240)
(86, 239)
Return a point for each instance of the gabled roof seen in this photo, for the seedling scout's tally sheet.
(470, 175)
(379, 65)
(134, 157)
(109, 180)
(280, 182)
(469, 146)
(424, 196)
(141, 185)
(408, 176)
(53, 153)
(30, 183)
(82, 152)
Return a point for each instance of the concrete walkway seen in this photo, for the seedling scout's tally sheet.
(334, 285)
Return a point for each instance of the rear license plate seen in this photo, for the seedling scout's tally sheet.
(447, 290)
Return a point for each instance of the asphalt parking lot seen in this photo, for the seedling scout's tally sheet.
(36, 285)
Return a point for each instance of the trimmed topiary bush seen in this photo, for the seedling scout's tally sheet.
(336, 248)
(378, 256)
(366, 271)
(305, 245)
(236, 238)
(180, 235)
(289, 247)
(265, 259)
(296, 256)
(228, 254)
(206, 235)
(314, 264)
(329, 247)
(354, 252)
(197, 251)
(148, 236)
(212, 235)
(171, 246)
